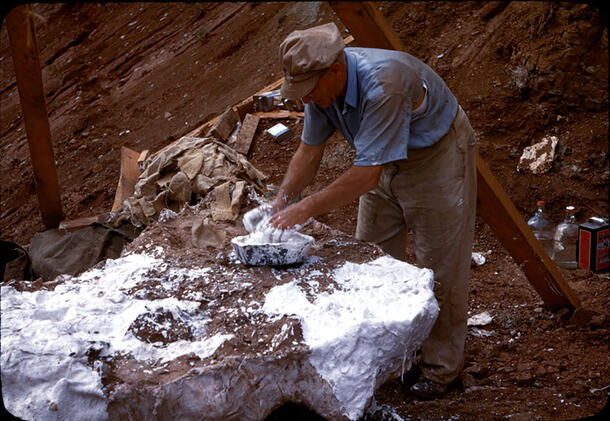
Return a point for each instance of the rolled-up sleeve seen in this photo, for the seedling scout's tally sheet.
(317, 127)
(384, 130)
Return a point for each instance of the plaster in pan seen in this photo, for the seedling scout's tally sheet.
(255, 250)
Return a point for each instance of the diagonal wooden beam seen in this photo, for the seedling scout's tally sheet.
(494, 205)
(24, 49)
(370, 29)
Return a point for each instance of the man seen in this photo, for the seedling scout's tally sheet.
(414, 168)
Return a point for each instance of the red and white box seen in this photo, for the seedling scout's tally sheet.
(594, 245)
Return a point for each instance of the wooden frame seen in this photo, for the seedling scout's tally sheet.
(370, 29)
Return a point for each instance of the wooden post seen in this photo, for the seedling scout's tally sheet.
(370, 29)
(24, 48)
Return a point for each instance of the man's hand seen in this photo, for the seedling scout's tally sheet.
(254, 216)
(290, 217)
(356, 181)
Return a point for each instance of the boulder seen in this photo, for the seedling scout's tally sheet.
(538, 158)
(173, 331)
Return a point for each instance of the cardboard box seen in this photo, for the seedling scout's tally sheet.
(594, 245)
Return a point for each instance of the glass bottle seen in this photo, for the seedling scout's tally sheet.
(542, 227)
(565, 240)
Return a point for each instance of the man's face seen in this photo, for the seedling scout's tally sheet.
(330, 86)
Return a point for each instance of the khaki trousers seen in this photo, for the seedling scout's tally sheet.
(432, 192)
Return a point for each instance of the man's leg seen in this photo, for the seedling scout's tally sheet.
(437, 190)
(380, 218)
(442, 352)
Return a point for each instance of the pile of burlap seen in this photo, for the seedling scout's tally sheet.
(191, 166)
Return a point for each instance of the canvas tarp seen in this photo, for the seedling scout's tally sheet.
(191, 166)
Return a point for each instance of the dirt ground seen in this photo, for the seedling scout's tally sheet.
(143, 74)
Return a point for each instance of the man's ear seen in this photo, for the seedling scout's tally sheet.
(336, 67)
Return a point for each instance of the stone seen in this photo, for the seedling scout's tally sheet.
(538, 158)
(478, 259)
(171, 331)
(582, 317)
(476, 369)
(481, 319)
(563, 315)
(469, 381)
(524, 378)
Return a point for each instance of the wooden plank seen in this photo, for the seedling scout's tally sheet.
(370, 29)
(280, 115)
(224, 124)
(24, 48)
(200, 130)
(76, 224)
(246, 133)
(128, 177)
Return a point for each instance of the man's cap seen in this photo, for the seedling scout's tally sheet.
(305, 55)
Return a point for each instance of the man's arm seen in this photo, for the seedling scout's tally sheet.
(356, 181)
(301, 171)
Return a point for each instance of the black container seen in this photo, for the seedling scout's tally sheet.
(594, 245)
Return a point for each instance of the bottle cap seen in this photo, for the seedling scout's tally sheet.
(570, 209)
(541, 203)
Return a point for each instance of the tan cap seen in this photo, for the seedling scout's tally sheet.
(305, 56)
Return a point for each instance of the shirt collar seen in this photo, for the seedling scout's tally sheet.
(351, 94)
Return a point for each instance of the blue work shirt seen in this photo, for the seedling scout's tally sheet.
(376, 115)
